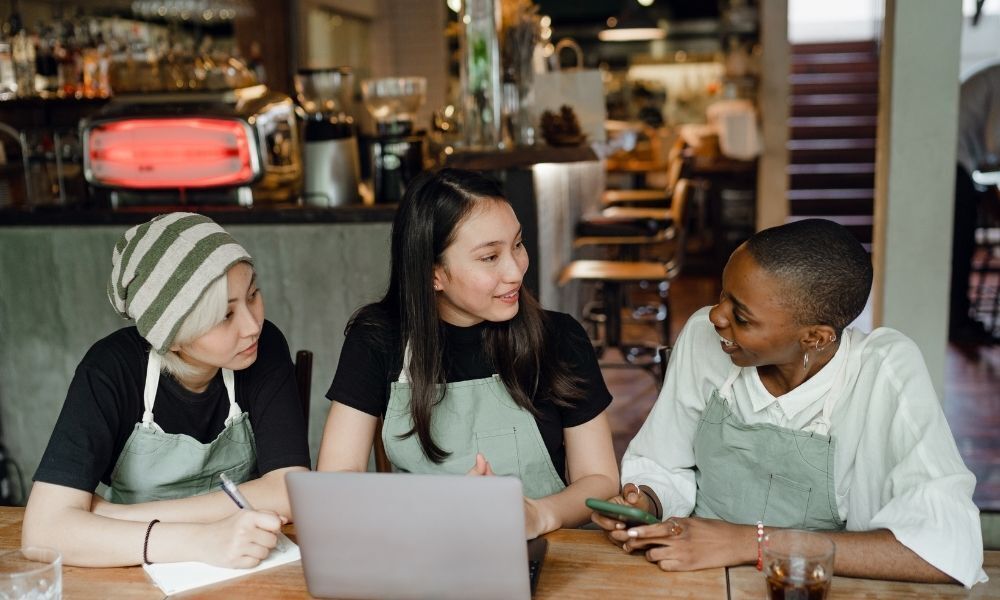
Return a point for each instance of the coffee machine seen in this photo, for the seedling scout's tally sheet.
(331, 145)
(397, 150)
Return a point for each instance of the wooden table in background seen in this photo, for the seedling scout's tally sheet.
(579, 564)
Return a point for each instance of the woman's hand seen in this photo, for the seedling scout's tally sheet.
(240, 541)
(538, 518)
(630, 496)
(688, 544)
(482, 466)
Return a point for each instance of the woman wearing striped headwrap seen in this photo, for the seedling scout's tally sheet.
(200, 385)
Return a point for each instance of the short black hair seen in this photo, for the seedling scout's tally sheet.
(827, 271)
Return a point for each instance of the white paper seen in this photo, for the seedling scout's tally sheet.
(174, 578)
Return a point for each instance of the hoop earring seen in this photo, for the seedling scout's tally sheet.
(805, 361)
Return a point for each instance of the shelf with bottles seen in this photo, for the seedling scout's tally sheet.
(97, 57)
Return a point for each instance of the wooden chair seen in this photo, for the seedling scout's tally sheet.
(303, 379)
(614, 275)
(651, 197)
(663, 358)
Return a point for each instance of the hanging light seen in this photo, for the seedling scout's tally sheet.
(633, 25)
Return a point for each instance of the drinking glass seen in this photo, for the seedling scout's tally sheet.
(30, 573)
(798, 565)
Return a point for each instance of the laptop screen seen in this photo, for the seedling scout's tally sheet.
(378, 535)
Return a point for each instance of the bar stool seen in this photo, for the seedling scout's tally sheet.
(659, 197)
(614, 275)
(985, 292)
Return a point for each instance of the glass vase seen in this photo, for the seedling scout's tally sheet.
(480, 75)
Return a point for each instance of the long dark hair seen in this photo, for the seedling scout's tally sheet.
(434, 204)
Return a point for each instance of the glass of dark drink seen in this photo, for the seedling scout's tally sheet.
(798, 565)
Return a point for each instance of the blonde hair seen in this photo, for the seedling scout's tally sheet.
(209, 311)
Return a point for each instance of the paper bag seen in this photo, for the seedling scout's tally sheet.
(580, 88)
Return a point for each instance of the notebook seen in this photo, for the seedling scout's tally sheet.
(395, 535)
(177, 577)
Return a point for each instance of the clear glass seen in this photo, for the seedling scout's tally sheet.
(394, 98)
(798, 565)
(480, 74)
(30, 573)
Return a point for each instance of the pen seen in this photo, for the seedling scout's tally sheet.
(234, 492)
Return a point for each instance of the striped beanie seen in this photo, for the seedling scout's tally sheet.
(160, 269)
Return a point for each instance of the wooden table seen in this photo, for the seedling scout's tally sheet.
(579, 564)
(746, 583)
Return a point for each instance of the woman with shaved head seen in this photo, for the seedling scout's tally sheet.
(776, 413)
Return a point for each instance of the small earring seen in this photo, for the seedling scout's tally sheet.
(805, 361)
(833, 338)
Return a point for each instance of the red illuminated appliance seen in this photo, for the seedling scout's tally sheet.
(233, 147)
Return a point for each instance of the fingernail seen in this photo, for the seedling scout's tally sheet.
(619, 525)
(632, 533)
(625, 546)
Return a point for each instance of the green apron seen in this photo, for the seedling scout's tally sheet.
(155, 465)
(473, 416)
(763, 472)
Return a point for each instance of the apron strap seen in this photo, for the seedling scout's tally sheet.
(153, 366)
(229, 381)
(404, 373)
(734, 373)
(149, 390)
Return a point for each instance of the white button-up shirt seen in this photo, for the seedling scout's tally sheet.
(896, 465)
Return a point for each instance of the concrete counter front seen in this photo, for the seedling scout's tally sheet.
(315, 269)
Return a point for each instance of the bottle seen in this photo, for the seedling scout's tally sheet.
(23, 54)
(8, 84)
(46, 66)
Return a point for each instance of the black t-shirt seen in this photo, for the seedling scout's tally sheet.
(368, 366)
(104, 403)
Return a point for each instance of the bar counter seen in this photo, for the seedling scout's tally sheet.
(578, 564)
(225, 215)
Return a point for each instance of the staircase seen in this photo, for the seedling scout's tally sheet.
(831, 141)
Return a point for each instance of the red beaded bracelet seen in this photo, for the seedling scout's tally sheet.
(145, 543)
(760, 543)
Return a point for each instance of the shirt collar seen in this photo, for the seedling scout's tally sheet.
(805, 395)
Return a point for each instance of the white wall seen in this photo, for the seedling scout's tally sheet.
(819, 21)
(915, 173)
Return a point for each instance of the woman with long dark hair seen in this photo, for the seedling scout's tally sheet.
(469, 373)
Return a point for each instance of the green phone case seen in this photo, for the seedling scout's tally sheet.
(630, 514)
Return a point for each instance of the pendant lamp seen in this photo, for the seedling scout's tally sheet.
(633, 25)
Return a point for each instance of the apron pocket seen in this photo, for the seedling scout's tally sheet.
(499, 446)
(787, 503)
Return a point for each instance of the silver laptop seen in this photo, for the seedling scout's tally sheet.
(395, 535)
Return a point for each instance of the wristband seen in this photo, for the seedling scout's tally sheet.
(145, 544)
(760, 545)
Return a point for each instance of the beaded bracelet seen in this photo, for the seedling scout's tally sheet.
(145, 544)
(760, 543)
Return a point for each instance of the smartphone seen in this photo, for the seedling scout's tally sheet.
(631, 515)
